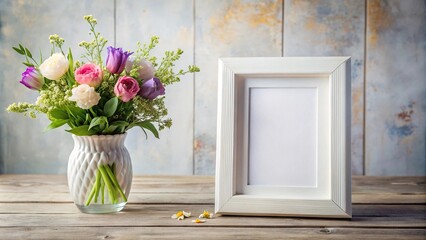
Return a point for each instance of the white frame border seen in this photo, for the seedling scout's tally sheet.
(338, 70)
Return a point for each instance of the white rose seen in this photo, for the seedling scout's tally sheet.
(85, 96)
(54, 67)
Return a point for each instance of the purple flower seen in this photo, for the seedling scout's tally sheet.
(116, 60)
(32, 79)
(152, 88)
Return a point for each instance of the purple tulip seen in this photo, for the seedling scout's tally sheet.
(32, 79)
(152, 88)
(116, 60)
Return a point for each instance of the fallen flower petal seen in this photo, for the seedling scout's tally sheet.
(181, 215)
(206, 214)
(199, 221)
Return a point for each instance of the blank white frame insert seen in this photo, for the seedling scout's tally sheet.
(283, 137)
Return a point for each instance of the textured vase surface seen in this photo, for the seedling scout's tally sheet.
(91, 153)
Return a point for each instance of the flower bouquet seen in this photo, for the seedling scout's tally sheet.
(97, 99)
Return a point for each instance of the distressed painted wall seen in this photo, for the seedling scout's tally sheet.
(332, 29)
(24, 147)
(395, 127)
(227, 29)
(386, 39)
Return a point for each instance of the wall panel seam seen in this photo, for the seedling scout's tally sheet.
(115, 22)
(282, 29)
(364, 104)
(193, 85)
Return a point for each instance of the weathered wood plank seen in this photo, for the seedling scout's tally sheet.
(359, 210)
(155, 198)
(395, 88)
(377, 185)
(389, 211)
(199, 198)
(22, 218)
(246, 28)
(200, 189)
(332, 28)
(219, 233)
(197, 232)
(145, 184)
(172, 21)
(145, 216)
(389, 199)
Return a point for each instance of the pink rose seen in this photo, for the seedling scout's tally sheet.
(126, 88)
(89, 74)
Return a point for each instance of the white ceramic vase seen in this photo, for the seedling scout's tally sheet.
(99, 173)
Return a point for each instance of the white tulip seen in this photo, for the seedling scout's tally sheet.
(145, 68)
(54, 67)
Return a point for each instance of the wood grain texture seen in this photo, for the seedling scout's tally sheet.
(359, 210)
(396, 88)
(60, 219)
(332, 28)
(195, 232)
(38, 215)
(235, 28)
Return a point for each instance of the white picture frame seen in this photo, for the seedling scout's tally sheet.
(283, 137)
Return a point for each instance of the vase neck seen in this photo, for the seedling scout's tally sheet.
(99, 143)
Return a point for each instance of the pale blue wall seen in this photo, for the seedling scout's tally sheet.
(386, 39)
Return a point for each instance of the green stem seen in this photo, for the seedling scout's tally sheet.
(92, 193)
(115, 182)
(98, 185)
(103, 191)
(97, 44)
(93, 112)
(108, 184)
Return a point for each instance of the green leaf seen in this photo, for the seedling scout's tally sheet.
(71, 61)
(59, 114)
(81, 131)
(77, 112)
(28, 53)
(102, 122)
(70, 79)
(22, 48)
(111, 106)
(41, 56)
(18, 50)
(28, 64)
(111, 129)
(95, 122)
(88, 119)
(120, 124)
(148, 126)
(146, 135)
(56, 123)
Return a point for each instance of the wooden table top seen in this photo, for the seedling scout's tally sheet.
(40, 207)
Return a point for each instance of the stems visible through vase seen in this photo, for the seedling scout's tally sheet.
(105, 176)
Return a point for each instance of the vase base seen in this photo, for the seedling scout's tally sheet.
(101, 208)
